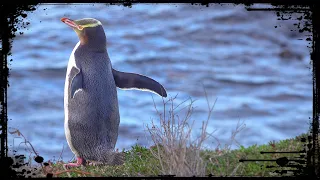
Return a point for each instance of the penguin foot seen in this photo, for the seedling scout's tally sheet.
(80, 161)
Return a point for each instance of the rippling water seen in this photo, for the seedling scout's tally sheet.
(260, 74)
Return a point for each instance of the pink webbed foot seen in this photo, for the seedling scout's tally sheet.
(80, 161)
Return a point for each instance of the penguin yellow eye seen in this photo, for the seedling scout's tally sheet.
(80, 27)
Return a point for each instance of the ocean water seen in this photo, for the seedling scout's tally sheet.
(259, 74)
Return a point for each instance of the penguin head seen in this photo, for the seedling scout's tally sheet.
(89, 31)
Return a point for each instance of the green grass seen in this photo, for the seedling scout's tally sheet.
(141, 162)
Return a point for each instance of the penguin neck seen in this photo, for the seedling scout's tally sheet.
(94, 45)
(94, 40)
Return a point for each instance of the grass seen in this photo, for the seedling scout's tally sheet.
(176, 152)
(140, 161)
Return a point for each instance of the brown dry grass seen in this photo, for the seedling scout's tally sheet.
(178, 153)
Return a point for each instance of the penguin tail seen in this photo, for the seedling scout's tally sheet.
(114, 158)
(118, 159)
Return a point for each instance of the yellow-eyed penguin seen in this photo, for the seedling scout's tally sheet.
(90, 96)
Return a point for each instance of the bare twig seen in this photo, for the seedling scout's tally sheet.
(60, 157)
(27, 143)
(72, 158)
(176, 153)
(235, 169)
(25, 140)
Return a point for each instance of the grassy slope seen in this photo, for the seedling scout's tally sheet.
(141, 162)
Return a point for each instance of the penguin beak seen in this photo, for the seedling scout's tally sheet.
(71, 23)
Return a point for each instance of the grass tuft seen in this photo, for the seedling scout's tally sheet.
(175, 149)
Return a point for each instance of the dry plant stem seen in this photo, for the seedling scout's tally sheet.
(240, 126)
(175, 151)
(60, 157)
(68, 173)
(26, 142)
(153, 126)
(235, 170)
(72, 158)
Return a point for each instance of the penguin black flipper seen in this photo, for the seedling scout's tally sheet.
(76, 82)
(136, 81)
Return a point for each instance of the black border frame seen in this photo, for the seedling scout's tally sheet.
(9, 18)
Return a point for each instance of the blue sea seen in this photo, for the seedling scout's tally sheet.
(256, 68)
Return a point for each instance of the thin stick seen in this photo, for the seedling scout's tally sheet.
(60, 157)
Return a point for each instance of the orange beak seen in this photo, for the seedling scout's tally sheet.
(71, 23)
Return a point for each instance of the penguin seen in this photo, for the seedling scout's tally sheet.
(90, 96)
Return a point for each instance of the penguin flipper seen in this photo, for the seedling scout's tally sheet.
(136, 81)
(76, 82)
